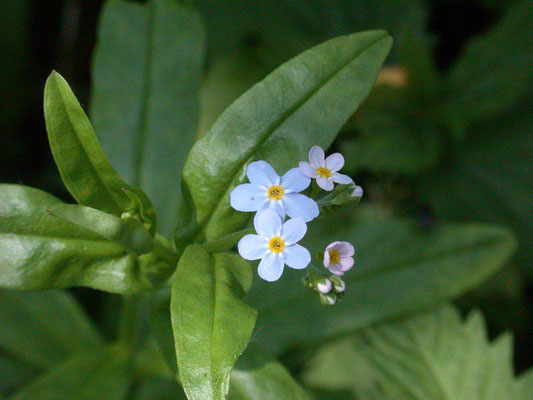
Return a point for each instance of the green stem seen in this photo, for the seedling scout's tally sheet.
(129, 322)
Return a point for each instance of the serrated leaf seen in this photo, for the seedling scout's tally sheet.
(83, 166)
(433, 356)
(399, 269)
(145, 96)
(212, 325)
(259, 376)
(303, 103)
(41, 251)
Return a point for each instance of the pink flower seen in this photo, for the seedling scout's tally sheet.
(324, 170)
(338, 257)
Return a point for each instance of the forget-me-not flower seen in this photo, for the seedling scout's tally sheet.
(324, 170)
(338, 257)
(275, 244)
(267, 190)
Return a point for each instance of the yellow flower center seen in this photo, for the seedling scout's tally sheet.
(334, 257)
(276, 244)
(275, 192)
(323, 172)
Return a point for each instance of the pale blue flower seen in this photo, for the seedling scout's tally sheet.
(275, 244)
(324, 170)
(267, 190)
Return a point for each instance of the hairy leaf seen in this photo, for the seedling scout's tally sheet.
(399, 269)
(212, 326)
(436, 356)
(303, 103)
(145, 96)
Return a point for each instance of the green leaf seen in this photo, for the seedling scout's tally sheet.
(303, 103)
(96, 374)
(83, 166)
(525, 383)
(399, 269)
(258, 376)
(145, 96)
(493, 72)
(127, 232)
(435, 357)
(212, 326)
(41, 251)
(157, 389)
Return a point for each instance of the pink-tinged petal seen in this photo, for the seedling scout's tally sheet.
(326, 258)
(296, 256)
(357, 192)
(325, 183)
(267, 223)
(345, 249)
(262, 173)
(298, 205)
(253, 247)
(340, 178)
(316, 156)
(248, 197)
(271, 267)
(295, 181)
(308, 170)
(334, 162)
(346, 263)
(332, 245)
(293, 230)
(335, 269)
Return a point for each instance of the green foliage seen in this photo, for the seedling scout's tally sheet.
(212, 326)
(400, 269)
(301, 104)
(145, 97)
(434, 356)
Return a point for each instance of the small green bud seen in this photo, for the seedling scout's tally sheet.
(328, 299)
(338, 284)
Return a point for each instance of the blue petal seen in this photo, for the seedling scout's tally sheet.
(296, 256)
(340, 178)
(293, 230)
(278, 207)
(295, 180)
(267, 223)
(253, 247)
(248, 197)
(261, 173)
(298, 205)
(271, 267)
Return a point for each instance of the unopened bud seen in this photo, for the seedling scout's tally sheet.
(338, 284)
(328, 299)
(324, 285)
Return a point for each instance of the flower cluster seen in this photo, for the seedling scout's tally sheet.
(274, 198)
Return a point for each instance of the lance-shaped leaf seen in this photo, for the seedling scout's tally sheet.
(212, 325)
(83, 166)
(399, 269)
(436, 356)
(259, 376)
(303, 103)
(41, 251)
(145, 97)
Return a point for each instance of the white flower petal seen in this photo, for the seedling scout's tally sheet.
(296, 256)
(277, 207)
(267, 223)
(247, 197)
(253, 247)
(298, 205)
(325, 183)
(261, 173)
(357, 192)
(293, 230)
(340, 178)
(336, 269)
(345, 249)
(308, 170)
(334, 162)
(346, 263)
(316, 156)
(271, 267)
(295, 180)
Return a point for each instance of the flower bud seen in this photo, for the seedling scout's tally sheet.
(328, 299)
(324, 285)
(338, 284)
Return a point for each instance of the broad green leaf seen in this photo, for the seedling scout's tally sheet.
(96, 374)
(303, 103)
(13, 373)
(212, 325)
(399, 269)
(435, 356)
(145, 96)
(41, 251)
(494, 70)
(83, 166)
(259, 376)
